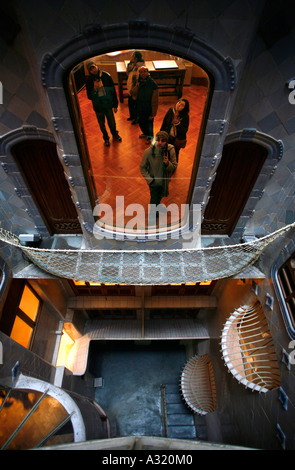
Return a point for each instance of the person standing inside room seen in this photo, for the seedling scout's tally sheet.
(157, 165)
(101, 91)
(133, 67)
(176, 123)
(147, 97)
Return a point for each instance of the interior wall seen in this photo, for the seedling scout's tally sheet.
(263, 104)
(108, 64)
(231, 294)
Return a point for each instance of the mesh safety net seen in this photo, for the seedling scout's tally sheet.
(146, 267)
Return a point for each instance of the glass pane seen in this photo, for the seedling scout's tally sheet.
(29, 303)
(44, 419)
(21, 332)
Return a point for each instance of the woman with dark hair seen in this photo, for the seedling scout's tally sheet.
(176, 123)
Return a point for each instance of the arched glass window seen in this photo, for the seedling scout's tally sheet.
(283, 275)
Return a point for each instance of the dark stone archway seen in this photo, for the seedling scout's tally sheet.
(96, 40)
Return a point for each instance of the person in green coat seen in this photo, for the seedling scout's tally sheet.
(157, 165)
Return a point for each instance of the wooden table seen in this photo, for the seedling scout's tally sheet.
(169, 76)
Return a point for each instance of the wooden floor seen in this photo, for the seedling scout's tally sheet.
(116, 168)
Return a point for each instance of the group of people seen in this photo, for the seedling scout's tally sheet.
(143, 99)
(160, 160)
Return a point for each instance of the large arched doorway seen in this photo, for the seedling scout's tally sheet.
(236, 175)
(96, 40)
(43, 173)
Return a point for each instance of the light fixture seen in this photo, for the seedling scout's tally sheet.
(30, 238)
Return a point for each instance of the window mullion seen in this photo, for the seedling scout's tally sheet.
(25, 318)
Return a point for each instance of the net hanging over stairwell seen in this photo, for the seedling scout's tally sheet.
(146, 267)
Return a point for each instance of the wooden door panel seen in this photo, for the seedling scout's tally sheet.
(236, 175)
(41, 169)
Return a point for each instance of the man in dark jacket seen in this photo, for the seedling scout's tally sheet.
(101, 91)
(146, 93)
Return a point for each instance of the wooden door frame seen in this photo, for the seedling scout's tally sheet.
(9, 165)
(58, 221)
(275, 150)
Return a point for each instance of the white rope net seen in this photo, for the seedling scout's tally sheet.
(146, 267)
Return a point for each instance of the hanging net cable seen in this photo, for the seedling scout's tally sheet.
(143, 267)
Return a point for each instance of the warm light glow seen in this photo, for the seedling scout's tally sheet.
(79, 283)
(21, 332)
(29, 303)
(111, 54)
(205, 283)
(65, 346)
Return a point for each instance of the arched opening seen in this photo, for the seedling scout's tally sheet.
(236, 175)
(95, 40)
(39, 165)
(118, 191)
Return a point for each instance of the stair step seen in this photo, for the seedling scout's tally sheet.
(182, 432)
(177, 408)
(180, 420)
(174, 398)
(172, 388)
